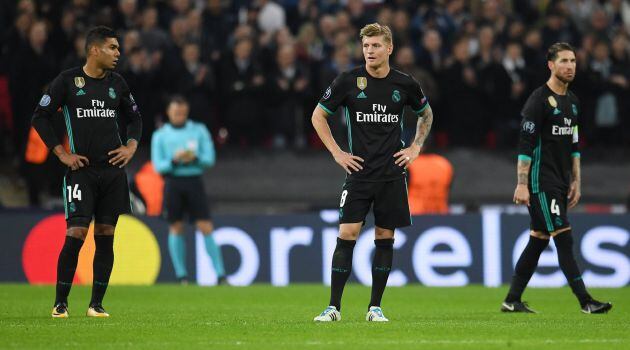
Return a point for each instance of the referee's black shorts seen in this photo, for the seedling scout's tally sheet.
(388, 198)
(185, 195)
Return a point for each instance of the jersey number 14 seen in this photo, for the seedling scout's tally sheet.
(73, 193)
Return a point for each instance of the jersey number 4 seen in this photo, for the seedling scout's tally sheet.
(73, 193)
(555, 209)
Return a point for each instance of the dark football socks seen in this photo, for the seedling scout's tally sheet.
(103, 264)
(381, 266)
(568, 265)
(66, 267)
(525, 267)
(341, 269)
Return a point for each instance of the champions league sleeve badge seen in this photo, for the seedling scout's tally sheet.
(45, 101)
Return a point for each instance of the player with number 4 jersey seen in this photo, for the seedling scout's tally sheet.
(94, 101)
(549, 179)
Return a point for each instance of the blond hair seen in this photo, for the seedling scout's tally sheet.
(375, 29)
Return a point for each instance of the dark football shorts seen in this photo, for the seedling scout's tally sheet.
(185, 195)
(100, 192)
(548, 211)
(389, 201)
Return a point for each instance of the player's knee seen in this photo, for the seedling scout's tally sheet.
(205, 227)
(176, 228)
(348, 235)
(383, 233)
(539, 235)
(104, 230)
(77, 232)
(563, 239)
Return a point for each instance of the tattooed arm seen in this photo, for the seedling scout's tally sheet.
(521, 194)
(575, 191)
(407, 155)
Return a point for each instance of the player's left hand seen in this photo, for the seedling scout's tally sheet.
(405, 156)
(574, 194)
(121, 155)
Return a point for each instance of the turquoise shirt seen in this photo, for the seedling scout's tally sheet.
(168, 140)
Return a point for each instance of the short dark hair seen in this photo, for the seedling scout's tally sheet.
(98, 35)
(552, 53)
(177, 99)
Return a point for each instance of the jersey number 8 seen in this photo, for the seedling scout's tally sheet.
(344, 194)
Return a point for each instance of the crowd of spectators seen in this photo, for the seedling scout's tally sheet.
(254, 70)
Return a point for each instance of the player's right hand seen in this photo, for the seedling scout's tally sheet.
(74, 161)
(348, 162)
(521, 194)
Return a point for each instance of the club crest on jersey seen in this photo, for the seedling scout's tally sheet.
(552, 101)
(396, 96)
(79, 82)
(574, 108)
(361, 83)
(327, 93)
(112, 93)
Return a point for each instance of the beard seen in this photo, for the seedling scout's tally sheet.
(565, 80)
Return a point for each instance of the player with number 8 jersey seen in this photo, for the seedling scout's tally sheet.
(372, 97)
(94, 100)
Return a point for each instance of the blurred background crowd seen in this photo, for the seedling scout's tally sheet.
(253, 70)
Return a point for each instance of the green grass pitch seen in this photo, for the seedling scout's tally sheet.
(263, 317)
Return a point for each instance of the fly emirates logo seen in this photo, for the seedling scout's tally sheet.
(563, 130)
(98, 110)
(379, 115)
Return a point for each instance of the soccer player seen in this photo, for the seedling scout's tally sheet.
(94, 100)
(180, 150)
(549, 176)
(373, 97)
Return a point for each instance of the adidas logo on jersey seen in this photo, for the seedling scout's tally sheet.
(362, 95)
(556, 111)
(80, 92)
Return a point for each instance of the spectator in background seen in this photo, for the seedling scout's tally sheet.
(431, 55)
(242, 85)
(126, 16)
(140, 74)
(180, 151)
(508, 120)
(610, 87)
(62, 37)
(153, 38)
(460, 83)
(309, 47)
(32, 68)
(289, 83)
(196, 81)
(271, 16)
(404, 61)
(217, 24)
(77, 56)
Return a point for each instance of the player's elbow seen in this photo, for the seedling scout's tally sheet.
(317, 117)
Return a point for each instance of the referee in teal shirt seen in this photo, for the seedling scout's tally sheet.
(180, 151)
